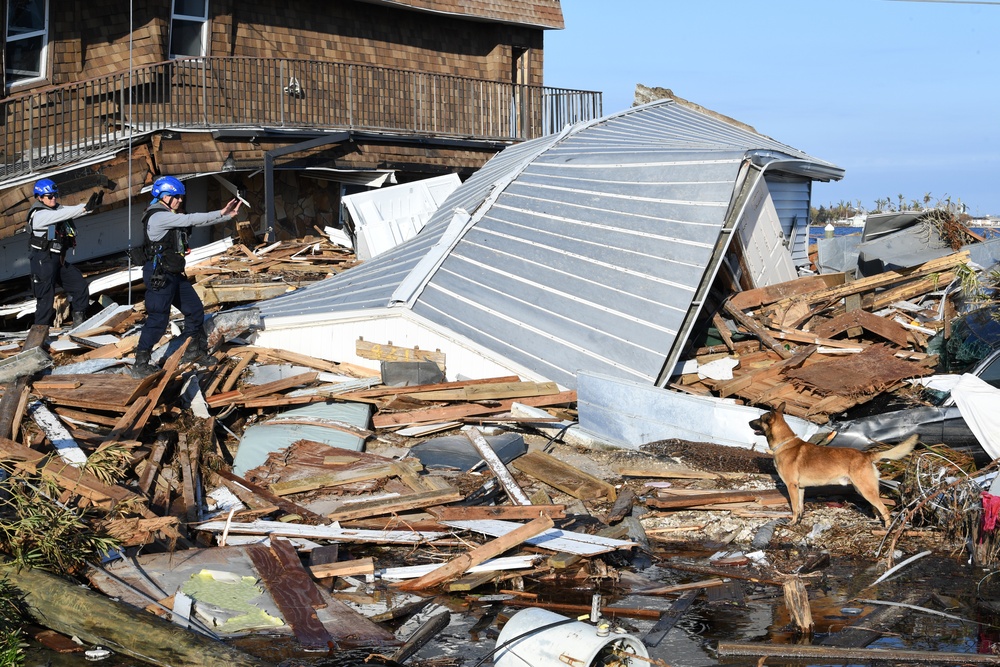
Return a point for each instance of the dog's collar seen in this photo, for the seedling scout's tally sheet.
(775, 448)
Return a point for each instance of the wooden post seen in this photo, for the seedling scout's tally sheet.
(797, 601)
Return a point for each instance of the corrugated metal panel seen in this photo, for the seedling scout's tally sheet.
(791, 200)
(587, 255)
(372, 284)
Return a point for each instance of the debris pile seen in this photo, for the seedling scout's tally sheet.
(330, 504)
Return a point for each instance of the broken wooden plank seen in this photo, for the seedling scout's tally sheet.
(554, 540)
(705, 499)
(503, 476)
(65, 476)
(395, 504)
(890, 656)
(152, 464)
(331, 532)
(491, 549)
(756, 329)
(290, 589)
(112, 393)
(56, 432)
(501, 512)
(862, 319)
(238, 396)
(232, 480)
(453, 412)
(390, 352)
(482, 392)
(332, 479)
(562, 476)
(12, 394)
(347, 568)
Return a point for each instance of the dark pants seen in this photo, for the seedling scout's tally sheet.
(176, 291)
(49, 269)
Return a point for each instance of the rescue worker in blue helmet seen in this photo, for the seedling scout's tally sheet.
(165, 228)
(51, 236)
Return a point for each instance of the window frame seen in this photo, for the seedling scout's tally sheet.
(43, 52)
(174, 16)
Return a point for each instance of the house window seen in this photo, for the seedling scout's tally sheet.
(188, 28)
(27, 37)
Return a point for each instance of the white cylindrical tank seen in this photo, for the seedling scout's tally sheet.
(525, 641)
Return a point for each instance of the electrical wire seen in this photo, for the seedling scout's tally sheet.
(529, 633)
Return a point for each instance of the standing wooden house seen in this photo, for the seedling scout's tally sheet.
(293, 103)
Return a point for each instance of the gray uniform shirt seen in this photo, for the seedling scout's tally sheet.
(161, 222)
(43, 218)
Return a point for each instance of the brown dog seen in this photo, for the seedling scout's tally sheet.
(801, 464)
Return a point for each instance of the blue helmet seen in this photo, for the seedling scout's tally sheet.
(46, 186)
(167, 185)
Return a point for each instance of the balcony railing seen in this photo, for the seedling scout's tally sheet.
(88, 119)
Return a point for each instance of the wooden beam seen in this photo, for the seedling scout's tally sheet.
(563, 476)
(457, 566)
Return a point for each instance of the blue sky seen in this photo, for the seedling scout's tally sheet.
(905, 96)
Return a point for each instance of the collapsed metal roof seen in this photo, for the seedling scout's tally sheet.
(582, 250)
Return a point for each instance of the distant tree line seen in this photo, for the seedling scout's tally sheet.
(845, 210)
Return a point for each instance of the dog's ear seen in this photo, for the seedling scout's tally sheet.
(780, 408)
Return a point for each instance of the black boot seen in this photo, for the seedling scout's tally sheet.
(143, 366)
(197, 351)
(79, 317)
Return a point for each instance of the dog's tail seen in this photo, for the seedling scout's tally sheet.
(901, 450)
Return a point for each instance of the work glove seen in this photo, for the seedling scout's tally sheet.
(95, 201)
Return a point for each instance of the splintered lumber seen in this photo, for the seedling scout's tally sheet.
(390, 352)
(502, 512)
(560, 475)
(762, 296)
(862, 319)
(455, 412)
(480, 392)
(338, 478)
(63, 475)
(238, 396)
(293, 591)
(241, 485)
(212, 293)
(379, 392)
(514, 492)
(797, 603)
(556, 539)
(61, 439)
(152, 464)
(112, 393)
(12, 394)
(298, 359)
(757, 330)
(346, 568)
(76, 611)
(699, 499)
(395, 504)
(457, 566)
(867, 655)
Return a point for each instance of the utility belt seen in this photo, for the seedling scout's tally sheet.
(166, 258)
(57, 238)
(44, 243)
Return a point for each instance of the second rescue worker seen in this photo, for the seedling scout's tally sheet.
(166, 244)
